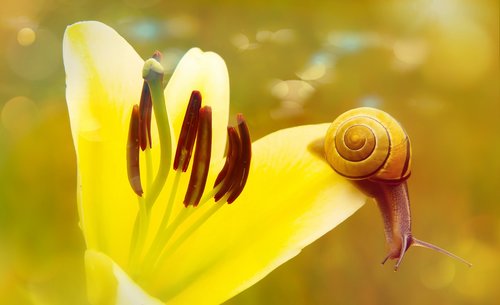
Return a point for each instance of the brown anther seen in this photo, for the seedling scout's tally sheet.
(243, 166)
(233, 176)
(134, 175)
(226, 176)
(188, 132)
(145, 111)
(201, 161)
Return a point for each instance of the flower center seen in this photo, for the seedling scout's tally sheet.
(196, 127)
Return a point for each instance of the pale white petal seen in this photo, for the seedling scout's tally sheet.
(207, 73)
(108, 284)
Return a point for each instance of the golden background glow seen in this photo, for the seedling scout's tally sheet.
(432, 64)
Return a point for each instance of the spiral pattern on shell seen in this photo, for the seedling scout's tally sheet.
(367, 143)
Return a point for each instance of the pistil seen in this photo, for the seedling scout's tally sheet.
(139, 136)
(153, 75)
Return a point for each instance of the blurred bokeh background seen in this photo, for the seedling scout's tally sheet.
(433, 64)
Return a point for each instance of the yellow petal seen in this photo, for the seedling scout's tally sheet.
(103, 81)
(108, 284)
(207, 73)
(292, 198)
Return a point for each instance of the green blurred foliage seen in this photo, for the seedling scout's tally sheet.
(431, 64)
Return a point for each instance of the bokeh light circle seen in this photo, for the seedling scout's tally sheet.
(19, 114)
(35, 61)
(26, 36)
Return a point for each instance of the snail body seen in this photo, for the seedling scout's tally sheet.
(370, 148)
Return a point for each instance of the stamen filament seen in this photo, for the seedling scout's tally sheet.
(141, 224)
(152, 258)
(162, 239)
(139, 234)
(209, 195)
(169, 250)
(157, 242)
(165, 232)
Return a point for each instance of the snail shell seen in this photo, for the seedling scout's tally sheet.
(371, 148)
(367, 143)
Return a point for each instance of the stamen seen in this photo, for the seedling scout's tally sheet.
(145, 111)
(188, 132)
(244, 160)
(226, 176)
(233, 176)
(134, 174)
(201, 161)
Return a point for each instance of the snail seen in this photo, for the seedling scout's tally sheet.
(371, 149)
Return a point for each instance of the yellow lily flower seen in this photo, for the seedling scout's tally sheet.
(144, 246)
